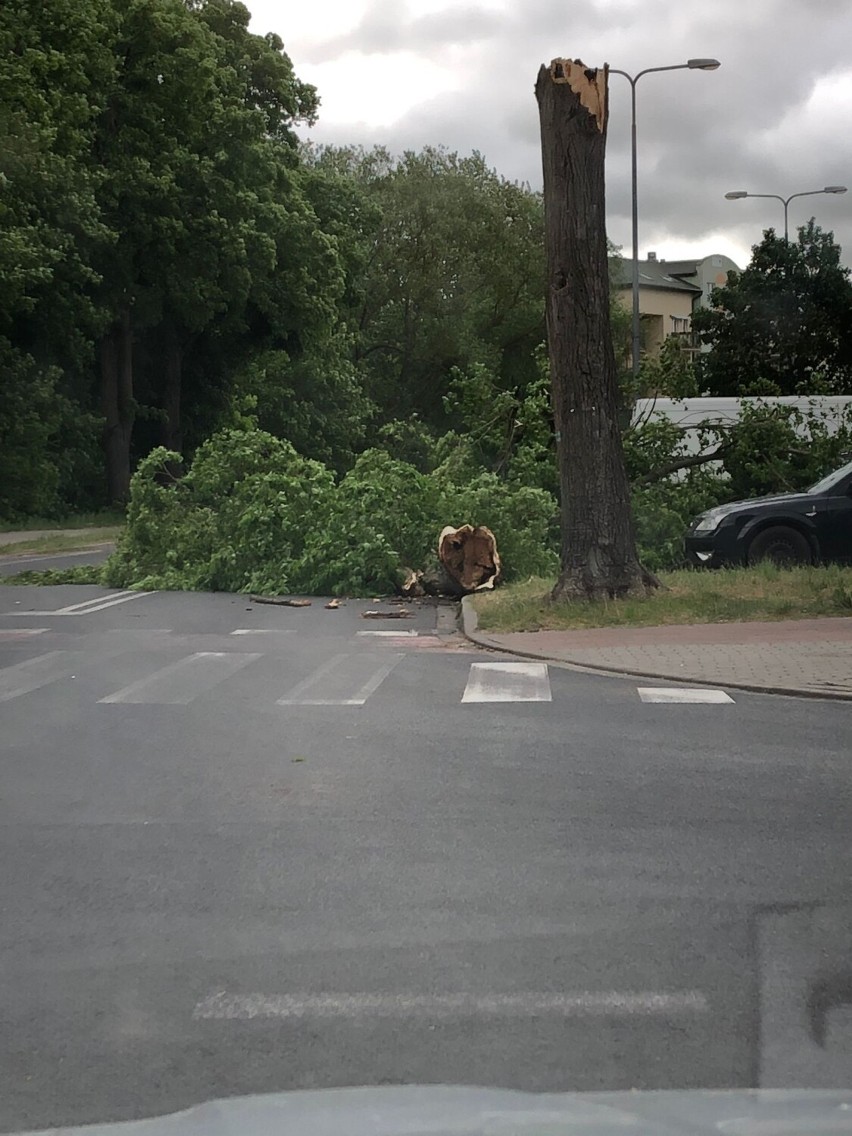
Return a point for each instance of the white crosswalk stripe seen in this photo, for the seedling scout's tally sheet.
(178, 683)
(264, 631)
(23, 678)
(507, 682)
(340, 681)
(682, 694)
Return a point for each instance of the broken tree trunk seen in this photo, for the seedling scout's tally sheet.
(468, 561)
(599, 555)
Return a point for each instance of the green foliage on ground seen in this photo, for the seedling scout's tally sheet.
(80, 574)
(726, 596)
(250, 514)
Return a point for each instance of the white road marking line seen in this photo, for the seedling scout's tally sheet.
(507, 682)
(294, 696)
(34, 673)
(264, 631)
(682, 694)
(178, 683)
(111, 601)
(72, 609)
(21, 633)
(88, 607)
(589, 1003)
(336, 679)
(139, 631)
(372, 684)
(388, 634)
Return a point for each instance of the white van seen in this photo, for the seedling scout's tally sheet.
(688, 413)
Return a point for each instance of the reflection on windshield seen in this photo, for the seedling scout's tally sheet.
(829, 482)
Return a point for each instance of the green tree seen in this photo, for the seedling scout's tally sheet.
(783, 326)
(199, 182)
(56, 62)
(451, 277)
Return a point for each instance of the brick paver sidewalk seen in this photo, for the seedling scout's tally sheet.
(802, 656)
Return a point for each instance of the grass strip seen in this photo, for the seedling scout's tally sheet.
(724, 596)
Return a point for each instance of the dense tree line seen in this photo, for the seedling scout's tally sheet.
(150, 202)
(172, 259)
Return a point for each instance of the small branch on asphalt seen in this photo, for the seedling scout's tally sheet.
(280, 601)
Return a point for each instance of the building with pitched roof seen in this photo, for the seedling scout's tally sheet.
(669, 292)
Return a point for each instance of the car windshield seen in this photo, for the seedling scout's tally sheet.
(827, 483)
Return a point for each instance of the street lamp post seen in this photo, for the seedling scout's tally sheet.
(737, 194)
(690, 65)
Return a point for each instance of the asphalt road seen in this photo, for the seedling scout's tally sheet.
(250, 849)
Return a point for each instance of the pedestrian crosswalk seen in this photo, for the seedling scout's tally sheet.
(178, 683)
(349, 678)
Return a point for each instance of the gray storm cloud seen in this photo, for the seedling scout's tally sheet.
(769, 120)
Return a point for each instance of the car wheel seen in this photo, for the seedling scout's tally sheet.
(780, 545)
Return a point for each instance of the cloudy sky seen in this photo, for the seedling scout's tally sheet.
(775, 118)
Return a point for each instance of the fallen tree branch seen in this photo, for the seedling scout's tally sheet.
(702, 459)
(680, 463)
(280, 601)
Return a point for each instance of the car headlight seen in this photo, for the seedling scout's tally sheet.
(710, 521)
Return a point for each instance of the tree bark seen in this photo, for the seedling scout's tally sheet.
(172, 433)
(116, 359)
(599, 556)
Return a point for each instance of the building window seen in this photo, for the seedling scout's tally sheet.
(680, 325)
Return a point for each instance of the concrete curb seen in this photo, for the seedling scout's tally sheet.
(470, 623)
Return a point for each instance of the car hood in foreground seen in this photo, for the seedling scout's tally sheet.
(424, 1110)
